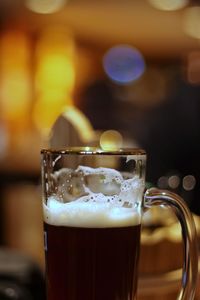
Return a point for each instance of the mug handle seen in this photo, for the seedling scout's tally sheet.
(156, 196)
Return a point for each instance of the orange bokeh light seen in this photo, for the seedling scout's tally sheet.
(15, 84)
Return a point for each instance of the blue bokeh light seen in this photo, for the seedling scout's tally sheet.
(123, 64)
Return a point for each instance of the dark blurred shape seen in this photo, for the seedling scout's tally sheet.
(70, 129)
(170, 134)
(20, 277)
(98, 104)
(9, 10)
(64, 134)
(11, 290)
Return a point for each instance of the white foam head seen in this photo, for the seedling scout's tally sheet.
(105, 200)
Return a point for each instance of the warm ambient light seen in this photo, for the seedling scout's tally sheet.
(169, 5)
(55, 71)
(15, 78)
(191, 21)
(45, 6)
(46, 109)
(54, 76)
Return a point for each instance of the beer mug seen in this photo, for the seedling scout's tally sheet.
(93, 203)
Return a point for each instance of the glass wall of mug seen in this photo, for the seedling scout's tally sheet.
(93, 202)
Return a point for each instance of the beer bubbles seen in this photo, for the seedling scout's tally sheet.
(123, 64)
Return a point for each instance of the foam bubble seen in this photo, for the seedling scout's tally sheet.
(102, 199)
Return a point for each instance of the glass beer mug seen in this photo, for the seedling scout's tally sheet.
(93, 202)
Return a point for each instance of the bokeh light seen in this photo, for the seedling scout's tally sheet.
(189, 182)
(123, 64)
(15, 85)
(55, 64)
(174, 181)
(191, 21)
(54, 76)
(111, 140)
(163, 182)
(45, 6)
(169, 5)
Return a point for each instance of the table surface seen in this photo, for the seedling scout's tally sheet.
(165, 286)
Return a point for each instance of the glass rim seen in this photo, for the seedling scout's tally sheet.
(93, 151)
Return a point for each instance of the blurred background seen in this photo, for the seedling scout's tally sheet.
(120, 72)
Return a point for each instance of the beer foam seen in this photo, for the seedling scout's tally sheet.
(88, 214)
(114, 203)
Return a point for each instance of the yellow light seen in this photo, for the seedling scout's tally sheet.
(54, 76)
(14, 94)
(191, 21)
(169, 5)
(45, 6)
(55, 71)
(15, 89)
(45, 113)
(53, 96)
(111, 140)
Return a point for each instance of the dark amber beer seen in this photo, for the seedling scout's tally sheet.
(92, 263)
